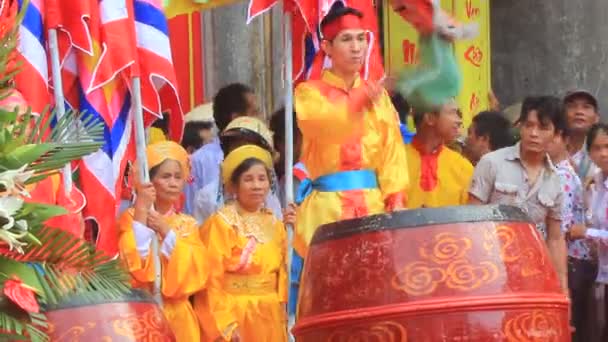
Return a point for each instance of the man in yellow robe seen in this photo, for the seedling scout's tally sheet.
(439, 176)
(352, 145)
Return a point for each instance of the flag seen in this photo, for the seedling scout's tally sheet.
(72, 21)
(102, 172)
(32, 80)
(158, 79)
(174, 8)
(72, 18)
(117, 41)
(258, 7)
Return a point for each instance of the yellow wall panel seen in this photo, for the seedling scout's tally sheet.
(473, 56)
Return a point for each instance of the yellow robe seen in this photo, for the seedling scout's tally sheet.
(183, 274)
(247, 287)
(338, 137)
(451, 180)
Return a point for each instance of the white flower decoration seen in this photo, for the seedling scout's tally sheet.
(13, 180)
(9, 206)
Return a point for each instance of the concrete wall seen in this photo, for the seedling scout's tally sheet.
(237, 52)
(548, 47)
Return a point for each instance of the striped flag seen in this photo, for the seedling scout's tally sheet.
(101, 173)
(33, 79)
(117, 41)
(257, 7)
(159, 82)
(73, 19)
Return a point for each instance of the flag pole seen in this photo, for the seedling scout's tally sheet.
(144, 175)
(288, 75)
(59, 101)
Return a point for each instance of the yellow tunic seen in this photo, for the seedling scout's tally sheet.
(448, 175)
(183, 274)
(247, 287)
(337, 137)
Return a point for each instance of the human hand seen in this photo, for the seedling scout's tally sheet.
(494, 103)
(236, 337)
(375, 90)
(158, 223)
(146, 196)
(578, 231)
(289, 215)
(394, 202)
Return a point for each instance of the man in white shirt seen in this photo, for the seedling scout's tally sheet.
(581, 113)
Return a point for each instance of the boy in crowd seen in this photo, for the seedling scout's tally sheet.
(439, 176)
(489, 131)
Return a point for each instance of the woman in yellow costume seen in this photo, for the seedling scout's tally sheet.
(247, 290)
(184, 267)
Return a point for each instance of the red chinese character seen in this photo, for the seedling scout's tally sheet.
(409, 52)
(472, 12)
(474, 103)
(474, 55)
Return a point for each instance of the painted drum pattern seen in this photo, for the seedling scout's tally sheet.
(136, 317)
(453, 274)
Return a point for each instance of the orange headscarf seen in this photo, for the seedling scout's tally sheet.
(159, 152)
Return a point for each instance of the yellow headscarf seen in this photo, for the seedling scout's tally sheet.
(253, 124)
(156, 135)
(158, 152)
(239, 155)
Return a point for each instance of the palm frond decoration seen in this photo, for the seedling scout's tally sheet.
(39, 264)
(17, 330)
(73, 136)
(65, 265)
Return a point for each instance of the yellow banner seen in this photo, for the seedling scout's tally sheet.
(174, 8)
(473, 56)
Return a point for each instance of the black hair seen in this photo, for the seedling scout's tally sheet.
(154, 170)
(401, 106)
(244, 167)
(548, 109)
(595, 130)
(277, 126)
(337, 11)
(240, 137)
(192, 137)
(496, 127)
(229, 100)
(418, 115)
(162, 123)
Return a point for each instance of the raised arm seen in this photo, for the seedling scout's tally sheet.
(328, 118)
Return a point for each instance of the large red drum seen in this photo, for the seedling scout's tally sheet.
(136, 317)
(475, 273)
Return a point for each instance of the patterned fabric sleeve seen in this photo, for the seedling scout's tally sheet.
(568, 187)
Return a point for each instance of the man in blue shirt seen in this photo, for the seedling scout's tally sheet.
(229, 103)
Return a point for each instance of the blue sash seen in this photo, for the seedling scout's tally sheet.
(339, 181)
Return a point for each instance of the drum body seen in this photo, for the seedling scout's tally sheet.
(475, 273)
(136, 317)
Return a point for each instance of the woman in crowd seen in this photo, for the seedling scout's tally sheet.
(183, 256)
(241, 131)
(597, 217)
(247, 291)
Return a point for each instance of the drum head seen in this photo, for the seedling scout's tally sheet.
(417, 218)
